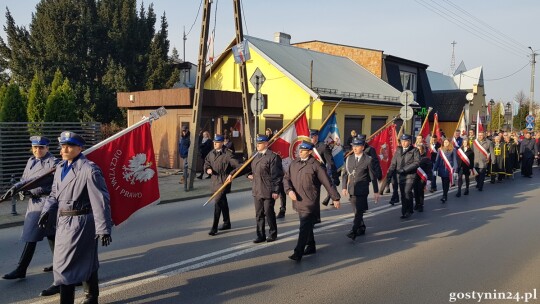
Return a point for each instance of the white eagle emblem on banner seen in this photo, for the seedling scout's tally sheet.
(138, 169)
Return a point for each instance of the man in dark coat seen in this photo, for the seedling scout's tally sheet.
(80, 195)
(528, 153)
(404, 163)
(359, 172)
(221, 165)
(512, 152)
(39, 164)
(302, 183)
(266, 175)
(368, 150)
(205, 146)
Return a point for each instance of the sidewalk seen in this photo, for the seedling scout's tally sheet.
(169, 188)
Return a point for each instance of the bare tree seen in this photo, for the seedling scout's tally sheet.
(521, 98)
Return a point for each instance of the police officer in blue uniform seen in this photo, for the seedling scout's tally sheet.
(267, 176)
(39, 164)
(80, 198)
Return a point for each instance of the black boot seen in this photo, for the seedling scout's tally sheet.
(91, 289)
(458, 194)
(466, 192)
(67, 294)
(326, 200)
(281, 213)
(26, 257)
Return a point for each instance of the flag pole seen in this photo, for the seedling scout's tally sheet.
(154, 115)
(426, 119)
(249, 160)
(459, 121)
(330, 114)
(434, 124)
(378, 131)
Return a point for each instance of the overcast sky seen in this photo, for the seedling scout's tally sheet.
(494, 34)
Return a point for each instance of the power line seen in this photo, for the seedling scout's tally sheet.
(484, 23)
(197, 17)
(438, 12)
(484, 32)
(495, 79)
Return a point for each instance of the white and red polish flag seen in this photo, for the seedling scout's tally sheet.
(286, 146)
(479, 126)
(128, 163)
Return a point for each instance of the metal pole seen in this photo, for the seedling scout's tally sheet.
(13, 200)
(533, 61)
(256, 127)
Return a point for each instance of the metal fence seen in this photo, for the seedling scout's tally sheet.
(15, 144)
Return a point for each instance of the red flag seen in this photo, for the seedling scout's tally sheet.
(287, 144)
(129, 167)
(479, 126)
(436, 128)
(385, 144)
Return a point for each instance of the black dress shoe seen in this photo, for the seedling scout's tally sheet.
(421, 209)
(199, 176)
(406, 215)
(15, 274)
(310, 250)
(466, 192)
(48, 269)
(295, 257)
(209, 176)
(416, 207)
(259, 239)
(212, 232)
(52, 290)
(351, 234)
(225, 227)
(458, 194)
(391, 203)
(281, 213)
(325, 201)
(271, 239)
(443, 199)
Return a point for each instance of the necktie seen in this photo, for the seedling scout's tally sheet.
(65, 170)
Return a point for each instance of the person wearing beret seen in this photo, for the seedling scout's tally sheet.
(80, 198)
(358, 174)
(267, 175)
(220, 164)
(39, 164)
(404, 163)
(302, 182)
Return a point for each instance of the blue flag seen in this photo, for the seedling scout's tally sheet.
(329, 134)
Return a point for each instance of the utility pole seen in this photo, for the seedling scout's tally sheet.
(533, 61)
(246, 107)
(194, 126)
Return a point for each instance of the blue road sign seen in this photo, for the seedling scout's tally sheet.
(530, 126)
(530, 119)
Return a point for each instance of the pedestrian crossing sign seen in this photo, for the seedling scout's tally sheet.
(530, 126)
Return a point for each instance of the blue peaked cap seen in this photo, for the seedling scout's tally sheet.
(71, 138)
(39, 141)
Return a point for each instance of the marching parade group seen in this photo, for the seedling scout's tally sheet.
(72, 210)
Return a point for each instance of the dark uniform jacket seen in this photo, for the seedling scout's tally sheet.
(426, 165)
(462, 166)
(75, 251)
(267, 174)
(326, 154)
(368, 150)
(358, 175)
(222, 163)
(404, 163)
(34, 169)
(305, 179)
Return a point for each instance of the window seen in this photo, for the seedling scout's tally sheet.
(377, 122)
(352, 122)
(408, 80)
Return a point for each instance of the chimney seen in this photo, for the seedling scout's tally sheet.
(282, 38)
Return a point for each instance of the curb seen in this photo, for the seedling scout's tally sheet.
(174, 200)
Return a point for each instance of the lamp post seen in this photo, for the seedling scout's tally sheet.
(492, 103)
(509, 117)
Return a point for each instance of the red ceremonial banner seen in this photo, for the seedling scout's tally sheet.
(385, 144)
(287, 144)
(129, 168)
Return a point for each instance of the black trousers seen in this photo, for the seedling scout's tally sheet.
(395, 189)
(264, 211)
(359, 204)
(221, 206)
(418, 190)
(282, 198)
(480, 178)
(305, 234)
(445, 185)
(462, 174)
(406, 193)
(526, 166)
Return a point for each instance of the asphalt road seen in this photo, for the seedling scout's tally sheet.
(485, 242)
